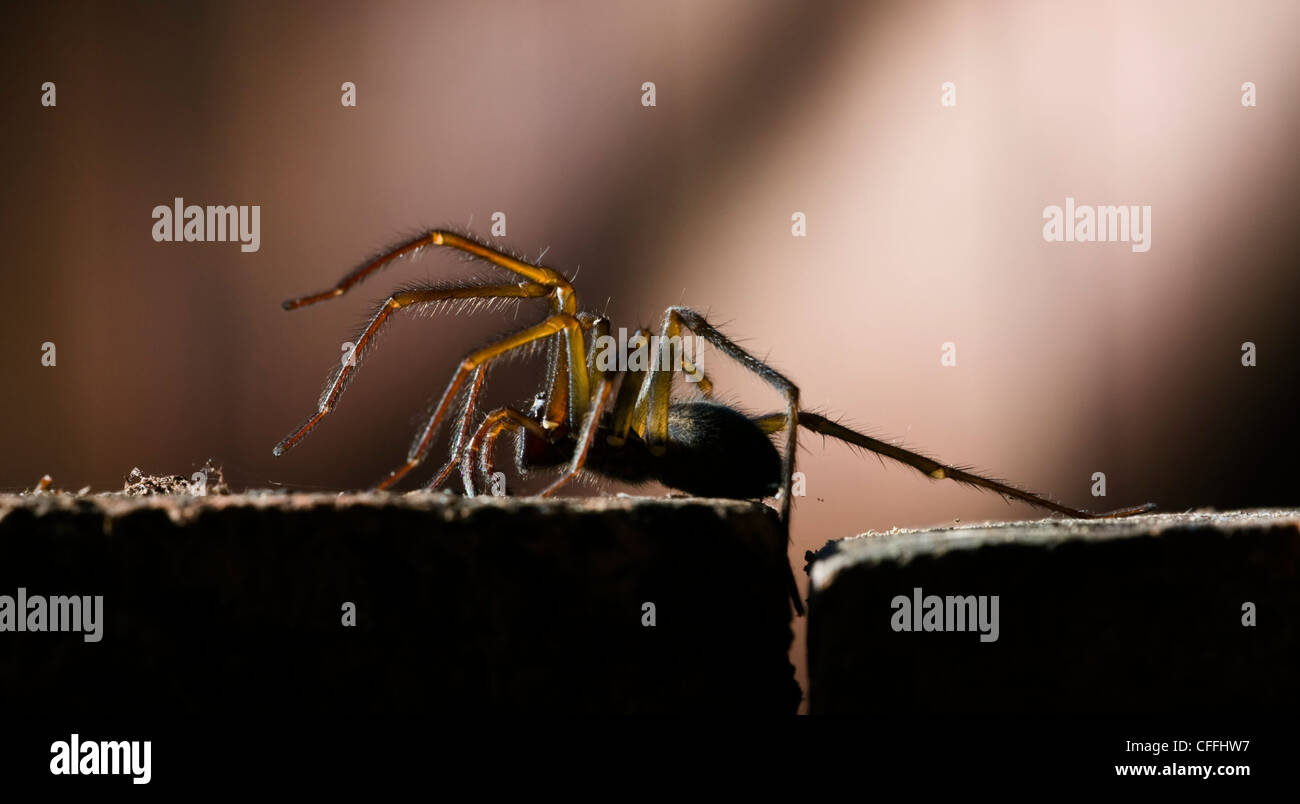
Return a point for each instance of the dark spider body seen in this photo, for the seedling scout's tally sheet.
(713, 451)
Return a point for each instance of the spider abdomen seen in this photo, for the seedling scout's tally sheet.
(713, 451)
(716, 451)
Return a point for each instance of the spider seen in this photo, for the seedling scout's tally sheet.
(636, 433)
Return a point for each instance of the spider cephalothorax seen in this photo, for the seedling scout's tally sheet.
(619, 423)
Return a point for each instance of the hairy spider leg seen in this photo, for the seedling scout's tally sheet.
(562, 415)
(399, 301)
(598, 326)
(655, 393)
(563, 297)
(630, 406)
(484, 441)
(551, 326)
(463, 425)
(462, 431)
(587, 436)
(629, 392)
(563, 379)
(775, 422)
(556, 393)
(642, 400)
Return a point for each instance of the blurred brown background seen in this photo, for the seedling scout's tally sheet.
(924, 227)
